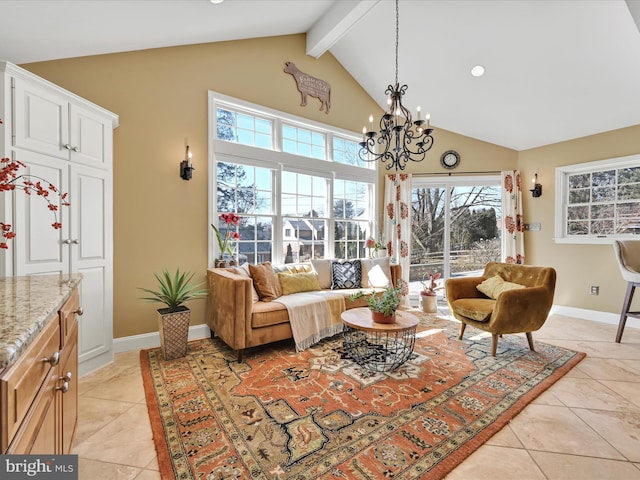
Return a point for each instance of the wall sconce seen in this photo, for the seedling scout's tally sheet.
(536, 191)
(186, 168)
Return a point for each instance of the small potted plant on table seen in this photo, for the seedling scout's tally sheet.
(383, 307)
(428, 297)
(173, 321)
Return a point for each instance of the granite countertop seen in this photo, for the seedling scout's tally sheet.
(26, 305)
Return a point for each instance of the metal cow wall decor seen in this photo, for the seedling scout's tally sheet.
(308, 85)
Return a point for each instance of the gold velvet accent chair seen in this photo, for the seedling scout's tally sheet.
(522, 298)
(628, 257)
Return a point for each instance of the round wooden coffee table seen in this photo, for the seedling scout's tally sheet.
(381, 347)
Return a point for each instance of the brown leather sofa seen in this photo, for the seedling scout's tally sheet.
(515, 310)
(235, 314)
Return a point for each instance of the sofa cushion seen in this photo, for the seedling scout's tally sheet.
(346, 274)
(266, 314)
(479, 309)
(376, 272)
(494, 286)
(265, 281)
(298, 282)
(322, 267)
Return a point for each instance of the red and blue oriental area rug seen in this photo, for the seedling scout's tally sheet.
(318, 415)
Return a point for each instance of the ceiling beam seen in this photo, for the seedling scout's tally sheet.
(634, 8)
(335, 23)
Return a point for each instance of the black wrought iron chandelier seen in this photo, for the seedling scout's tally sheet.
(401, 139)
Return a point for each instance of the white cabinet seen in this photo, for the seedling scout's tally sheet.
(69, 142)
(47, 122)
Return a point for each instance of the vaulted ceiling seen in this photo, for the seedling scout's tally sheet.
(555, 70)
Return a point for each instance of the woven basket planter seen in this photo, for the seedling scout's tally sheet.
(174, 332)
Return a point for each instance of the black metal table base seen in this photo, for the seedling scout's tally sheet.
(380, 351)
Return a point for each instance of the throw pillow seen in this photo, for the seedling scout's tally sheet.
(298, 282)
(293, 268)
(265, 281)
(322, 266)
(494, 286)
(346, 274)
(376, 272)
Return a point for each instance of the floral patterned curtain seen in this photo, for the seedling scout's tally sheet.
(397, 223)
(512, 219)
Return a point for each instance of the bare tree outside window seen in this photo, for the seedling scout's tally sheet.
(474, 234)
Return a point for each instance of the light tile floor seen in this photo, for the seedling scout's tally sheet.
(586, 426)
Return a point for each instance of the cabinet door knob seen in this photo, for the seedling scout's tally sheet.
(67, 241)
(75, 149)
(79, 311)
(67, 146)
(64, 388)
(54, 360)
(75, 241)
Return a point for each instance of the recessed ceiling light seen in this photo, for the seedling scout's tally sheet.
(477, 71)
(215, 2)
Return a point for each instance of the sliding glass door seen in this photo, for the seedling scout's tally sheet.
(455, 226)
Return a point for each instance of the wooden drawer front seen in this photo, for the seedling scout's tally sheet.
(22, 381)
(37, 435)
(68, 316)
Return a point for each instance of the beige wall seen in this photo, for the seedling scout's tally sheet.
(578, 266)
(161, 221)
(475, 155)
(160, 95)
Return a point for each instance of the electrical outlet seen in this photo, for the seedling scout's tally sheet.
(595, 290)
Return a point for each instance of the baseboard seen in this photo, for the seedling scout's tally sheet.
(594, 315)
(95, 363)
(150, 340)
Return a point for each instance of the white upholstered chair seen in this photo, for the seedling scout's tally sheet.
(628, 257)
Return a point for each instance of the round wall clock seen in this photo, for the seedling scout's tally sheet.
(450, 159)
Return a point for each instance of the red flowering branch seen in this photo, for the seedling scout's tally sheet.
(31, 185)
(10, 180)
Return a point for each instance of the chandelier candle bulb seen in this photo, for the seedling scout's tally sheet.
(428, 117)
